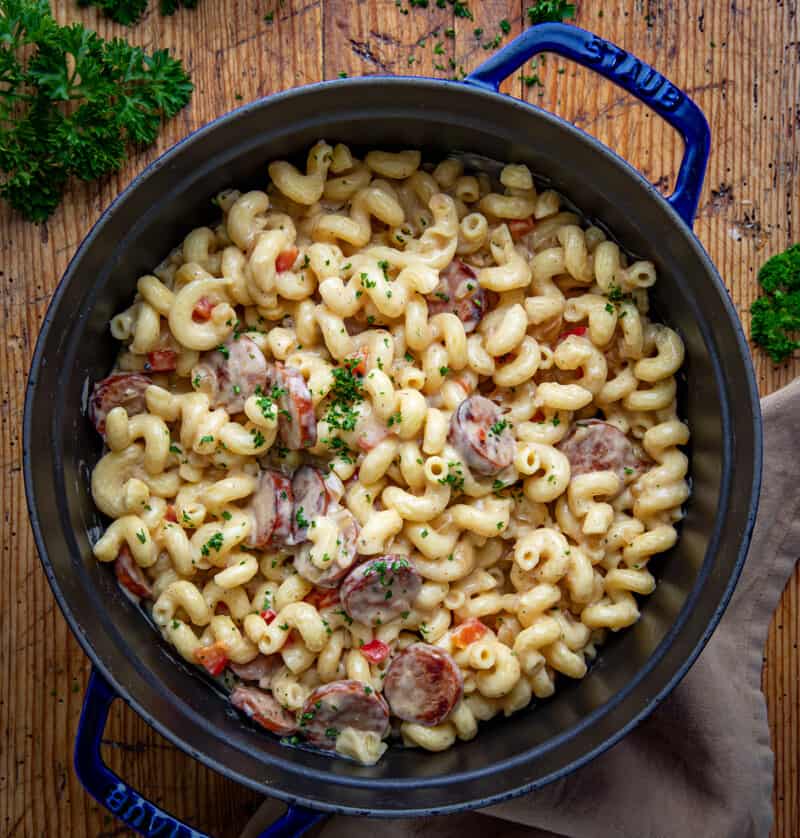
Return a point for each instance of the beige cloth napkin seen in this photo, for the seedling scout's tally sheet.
(701, 764)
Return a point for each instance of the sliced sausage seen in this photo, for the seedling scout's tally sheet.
(311, 500)
(122, 390)
(263, 708)
(270, 509)
(297, 424)
(482, 436)
(423, 684)
(231, 373)
(130, 575)
(380, 589)
(338, 565)
(458, 292)
(594, 445)
(341, 704)
(260, 668)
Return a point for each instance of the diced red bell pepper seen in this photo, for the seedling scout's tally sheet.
(580, 331)
(202, 310)
(170, 514)
(375, 651)
(358, 362)
(162, 360)
(285, 260)
(468, 632)
(268, 616)
(520, 227)
(130, 575)
(214, 658)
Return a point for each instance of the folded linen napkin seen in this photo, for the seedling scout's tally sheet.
(701, 763)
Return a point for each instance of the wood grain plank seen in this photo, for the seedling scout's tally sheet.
(738, 60)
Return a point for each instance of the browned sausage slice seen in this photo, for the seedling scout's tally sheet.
(458, 292)
(336, 566)
(423, 684)
(380, 590)
(231, 373)
(130, 575)
(482, 436)
(333, 707)
(297, 424)
(270, 509)
(263, 708)
(263, 666)
(594, 445)
(311, 500)
(122, 390)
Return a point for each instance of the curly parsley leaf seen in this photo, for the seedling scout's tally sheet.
(70, 101)
(776, 314)
(126, 12)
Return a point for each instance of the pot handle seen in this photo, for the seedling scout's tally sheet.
(128, 805)
(630, 73)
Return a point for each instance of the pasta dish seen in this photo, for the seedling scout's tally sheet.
(390, 447)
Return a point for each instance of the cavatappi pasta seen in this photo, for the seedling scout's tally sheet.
(391, 440)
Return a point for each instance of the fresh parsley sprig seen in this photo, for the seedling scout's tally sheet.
(70, 102)
(129, 12)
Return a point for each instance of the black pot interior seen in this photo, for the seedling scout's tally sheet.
(635, 669)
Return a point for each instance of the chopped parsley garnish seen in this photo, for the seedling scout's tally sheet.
(142, 536)
(347, 618)
(395, 419)
(206, 438)
(301, 519)
(223, 350)
(340, 448)
(266, 406)
(346, 392)
(499, 427)
(454, 477)
(615, 294)
(226, 515)
(214, 543)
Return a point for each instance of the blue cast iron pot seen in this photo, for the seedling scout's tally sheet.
(635, 671)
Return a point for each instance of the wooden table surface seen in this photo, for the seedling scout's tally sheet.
(738, 60)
